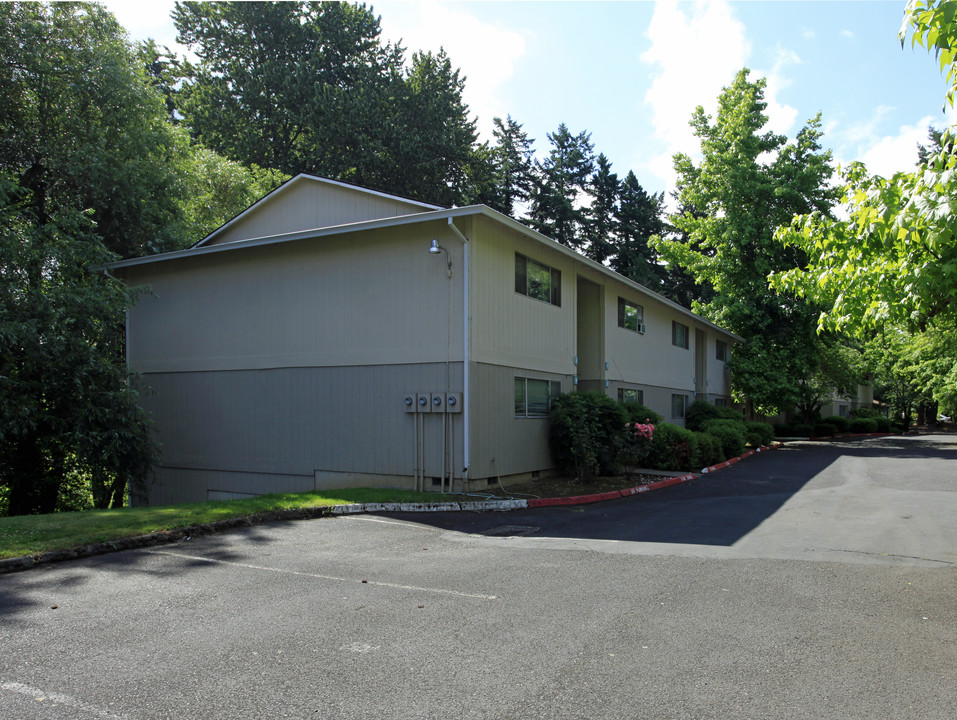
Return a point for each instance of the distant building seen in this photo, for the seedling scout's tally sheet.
(332, 336)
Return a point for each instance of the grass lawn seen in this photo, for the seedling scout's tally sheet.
(35, 534)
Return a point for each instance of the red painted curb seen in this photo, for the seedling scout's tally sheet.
(668, 482)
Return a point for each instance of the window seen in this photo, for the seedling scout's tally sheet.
(843, 410)
(721, 402)
(679, 335)
(631, 316)
(537, 281)
(720, 350)
(679, 404)
(631, 396)
(533, 398)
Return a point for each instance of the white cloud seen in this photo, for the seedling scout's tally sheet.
(780, 117)
(695, 54)
(486, 54)
(892, 153)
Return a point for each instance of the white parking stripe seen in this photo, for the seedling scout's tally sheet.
(397, 586)
(59, 699)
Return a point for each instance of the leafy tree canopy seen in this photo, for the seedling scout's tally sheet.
(894, 258)
(749, 181)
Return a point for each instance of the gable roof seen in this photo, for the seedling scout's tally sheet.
(305, 202)
(417, 212)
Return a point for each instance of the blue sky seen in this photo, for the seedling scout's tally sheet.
(631, 73)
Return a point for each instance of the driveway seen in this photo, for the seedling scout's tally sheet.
(810, 582)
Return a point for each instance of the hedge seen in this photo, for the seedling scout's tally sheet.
(730, 433)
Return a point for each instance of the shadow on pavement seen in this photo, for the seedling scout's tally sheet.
(715, 509)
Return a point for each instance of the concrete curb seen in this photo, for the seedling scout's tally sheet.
(165, 537)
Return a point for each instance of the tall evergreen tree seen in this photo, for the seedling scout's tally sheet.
(512, 158)
(601, 216)
(556, 210)
(639, 218)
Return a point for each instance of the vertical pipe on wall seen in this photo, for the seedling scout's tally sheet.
(466, 394)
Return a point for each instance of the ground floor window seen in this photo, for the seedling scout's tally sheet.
(842, 410)
(679, 403)
(533, 398)
(626, 395)
(721, 402)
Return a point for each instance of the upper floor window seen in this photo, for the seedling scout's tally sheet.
(720, 350)
(679, 334)
(631, 316)
(537, 281)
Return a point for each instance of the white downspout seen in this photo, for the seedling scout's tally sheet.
(465, 351)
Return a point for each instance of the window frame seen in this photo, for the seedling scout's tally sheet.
(674, 334)
(639, 316)
(684, 406)
(639, 395)
(721, 350)
(554, 280)
(553, 388)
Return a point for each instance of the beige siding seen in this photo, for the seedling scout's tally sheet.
(511, 329)
(307, 204)
(367, 298)
(256, 431)
(503, 444)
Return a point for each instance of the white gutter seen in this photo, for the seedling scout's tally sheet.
(465, 349)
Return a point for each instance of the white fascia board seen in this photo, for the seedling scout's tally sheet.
(194, 251)
(414, 218)
(304, 177)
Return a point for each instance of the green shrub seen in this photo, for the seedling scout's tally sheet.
(730, 433)
(673, 448)
(635, 413)
(758, 433)
(841, 423)
(825, 429)
(709, 450)
(864, 412)
(782, 430)
(802, 430)
(700, 411)
(884, 424)
(863, 425)
(585, 433)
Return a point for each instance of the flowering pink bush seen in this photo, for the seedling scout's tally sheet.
(637, 444)
(642, 430)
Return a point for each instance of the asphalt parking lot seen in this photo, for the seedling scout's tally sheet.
(816, 581)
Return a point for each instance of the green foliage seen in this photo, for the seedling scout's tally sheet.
(889, 267)
(710, 451)
(783, 430)
(863, 425)
(562, 177)
(758, 433)
(701, 411)
(673, 448)
(824, 429)
(747, 183)
(635, 413)
(513, 166)
(730, 434)
(310, 87)
(586, 433)
(802, 430)
(88, 170)
(638, 220)
(841, 424)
